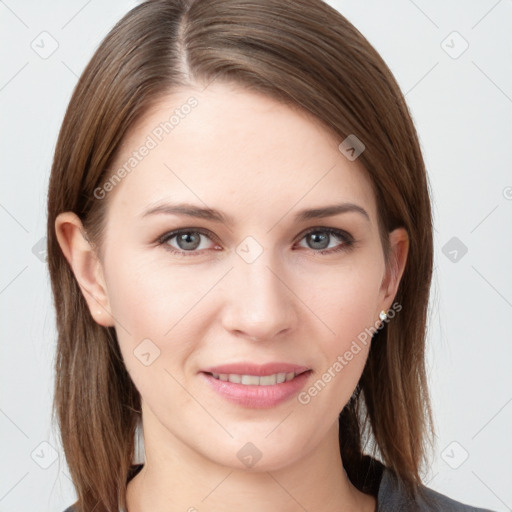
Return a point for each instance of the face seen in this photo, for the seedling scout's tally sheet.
(214, 310)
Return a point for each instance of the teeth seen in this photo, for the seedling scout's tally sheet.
(251, 380)
(268, 380)
(233, 377)
(255, 380)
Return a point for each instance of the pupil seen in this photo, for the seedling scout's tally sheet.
(188, 241)
(317, 238)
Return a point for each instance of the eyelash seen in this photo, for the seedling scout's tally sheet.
(347, 241)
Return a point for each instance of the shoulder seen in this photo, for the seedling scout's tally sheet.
(393, 498)
(70, 509)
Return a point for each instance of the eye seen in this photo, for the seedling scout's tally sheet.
(187, 241)
(320, 239)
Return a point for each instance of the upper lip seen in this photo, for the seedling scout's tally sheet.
(256, 369)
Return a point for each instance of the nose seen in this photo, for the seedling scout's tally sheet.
(259, 301)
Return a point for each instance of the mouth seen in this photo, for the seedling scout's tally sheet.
(257, 386)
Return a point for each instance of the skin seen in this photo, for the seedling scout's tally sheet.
(259, 162)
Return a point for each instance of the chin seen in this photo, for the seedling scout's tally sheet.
(259, 455)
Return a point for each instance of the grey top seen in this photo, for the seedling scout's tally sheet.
(392, 496)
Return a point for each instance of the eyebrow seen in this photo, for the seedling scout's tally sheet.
(211, 214)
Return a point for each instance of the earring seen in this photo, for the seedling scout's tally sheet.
(383, 315)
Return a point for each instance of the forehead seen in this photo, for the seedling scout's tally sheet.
(236, 151)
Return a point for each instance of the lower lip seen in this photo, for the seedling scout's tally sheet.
(258, 397)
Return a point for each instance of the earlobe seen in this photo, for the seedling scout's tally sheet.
(399, 248)
(84, 262)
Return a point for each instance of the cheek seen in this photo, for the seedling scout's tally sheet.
(153, 310)
(347, 299)
(346, 305)
(150, 298)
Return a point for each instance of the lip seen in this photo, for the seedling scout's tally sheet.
(257, 397)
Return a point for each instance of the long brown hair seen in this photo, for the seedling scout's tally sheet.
(300, 52)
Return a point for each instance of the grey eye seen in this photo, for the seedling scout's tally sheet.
(319, 239)
(188, 241)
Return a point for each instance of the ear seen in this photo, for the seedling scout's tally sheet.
(85, 264)
(399, 248)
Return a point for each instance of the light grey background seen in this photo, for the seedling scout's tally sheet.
(461, 102)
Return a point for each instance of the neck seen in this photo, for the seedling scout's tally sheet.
(175, 477)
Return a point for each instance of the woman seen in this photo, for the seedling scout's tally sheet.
(240, 250)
